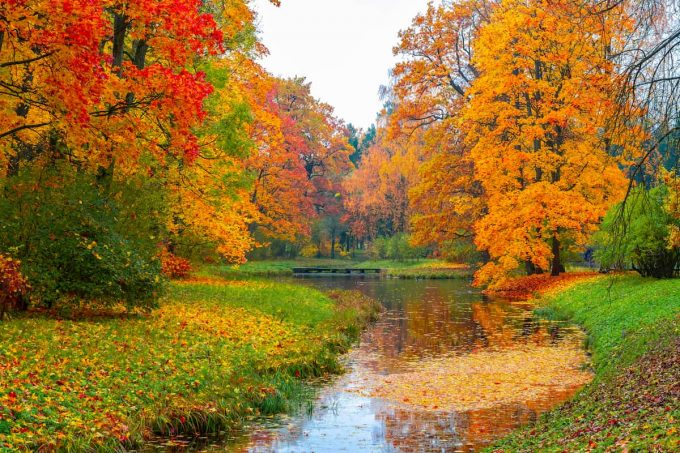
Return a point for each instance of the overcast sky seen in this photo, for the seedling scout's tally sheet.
(344, 47)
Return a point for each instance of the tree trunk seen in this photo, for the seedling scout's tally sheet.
(105, 175)
(120, 26)
(556, 267)
(333, 244)
(3, 306)
(532, 269)
(486, 257)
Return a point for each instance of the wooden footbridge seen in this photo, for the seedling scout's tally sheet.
(323, 271)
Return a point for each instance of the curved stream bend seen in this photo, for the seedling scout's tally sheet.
(443, 370)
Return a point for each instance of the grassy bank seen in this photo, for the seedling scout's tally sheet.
(275, 268)
(425, 269)
(215, 353)
(633, 404)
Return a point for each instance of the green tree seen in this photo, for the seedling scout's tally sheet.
(80, 242)
(636, 233)
(360, 141)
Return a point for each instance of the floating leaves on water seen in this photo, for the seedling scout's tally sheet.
(486, 379)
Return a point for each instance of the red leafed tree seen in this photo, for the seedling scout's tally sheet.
(103, 80)
(280, 186)
(302, 154)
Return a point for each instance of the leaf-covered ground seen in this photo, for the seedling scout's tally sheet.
(534, 285)
(634, 403)
(214, 353)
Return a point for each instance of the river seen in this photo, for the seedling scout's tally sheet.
(442, 322)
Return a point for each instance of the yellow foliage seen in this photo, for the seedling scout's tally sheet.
(310, 251)
(487, 379)
(539, 133)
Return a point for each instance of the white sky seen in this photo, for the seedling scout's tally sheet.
(344, 47)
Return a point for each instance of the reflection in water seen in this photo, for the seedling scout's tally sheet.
(424, 321)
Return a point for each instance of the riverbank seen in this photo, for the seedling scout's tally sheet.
(408, 269)
(215, 354)
(633, 327)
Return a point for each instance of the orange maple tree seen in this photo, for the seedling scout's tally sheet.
(537, 121)
(377, 201)
(429, 91)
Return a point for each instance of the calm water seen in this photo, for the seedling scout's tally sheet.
(423, 320)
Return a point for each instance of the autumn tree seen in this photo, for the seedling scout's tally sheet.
(104, 79)
(377, 200)
(537, 129)
(420, 177)
(280, 183)
(428, 92)
(121, 88)
(301, 156)
(209, 205)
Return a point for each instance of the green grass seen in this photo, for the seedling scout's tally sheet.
(419, 269)
(214, 355)
(425, 268)
(274, 268)
(293, 304)
(633, 327)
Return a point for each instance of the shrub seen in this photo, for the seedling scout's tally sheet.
(81, 242)
(309, 251)
(13, 285)
(174, 266)
(378, 248)
(397, 247)
(460, 251)
(639, 235)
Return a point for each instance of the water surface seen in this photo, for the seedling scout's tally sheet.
(423, 321)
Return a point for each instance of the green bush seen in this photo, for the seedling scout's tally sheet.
(638, 235)
(81, 241)
(460, 251)
(397, 247)
(378, 248)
